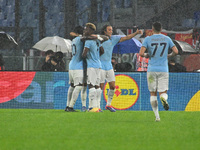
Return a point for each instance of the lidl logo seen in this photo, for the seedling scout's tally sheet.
(126, 92)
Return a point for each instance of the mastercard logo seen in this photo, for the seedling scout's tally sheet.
(126, 92)
(12, 84)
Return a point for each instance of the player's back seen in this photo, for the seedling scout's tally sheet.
(93, 55)
(77, 48)
(158, 46)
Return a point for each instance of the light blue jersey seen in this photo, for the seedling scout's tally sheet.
(93, 55)
(108, 49)
(157, 46)
(77, 49)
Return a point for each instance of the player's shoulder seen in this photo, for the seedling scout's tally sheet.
(147, 38)
(78, 38)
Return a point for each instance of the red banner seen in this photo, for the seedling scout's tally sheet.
(184, 37)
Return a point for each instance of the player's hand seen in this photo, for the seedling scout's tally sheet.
(139, 31)
(102, 38)
(146, 55)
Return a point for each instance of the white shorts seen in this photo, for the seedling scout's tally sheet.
(93, 76)
(158, 81)
(107, 75)
(76, 77)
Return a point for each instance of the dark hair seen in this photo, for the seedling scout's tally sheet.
(103, 29)
(157, 26)
(49, 52)
(78, 29)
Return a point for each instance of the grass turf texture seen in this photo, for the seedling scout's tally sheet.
(34, 129)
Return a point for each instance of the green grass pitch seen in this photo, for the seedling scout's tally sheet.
(38, 129)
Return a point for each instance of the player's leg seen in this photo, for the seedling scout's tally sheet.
(78, 83)
(99, 90)
(99, 95)
(92, 79)
(111, 80)
(83, 97)
(75, 95)
(70, 90)
(154, 104)
(69, 95)
(163, 82)
(152, 86)
(92, 97)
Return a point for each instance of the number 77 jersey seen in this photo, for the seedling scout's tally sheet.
(157, 46)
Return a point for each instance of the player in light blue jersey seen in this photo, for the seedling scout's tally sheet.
(107, 72)
(77, 68)
(91, 52)
(76, 75)
(157, 72)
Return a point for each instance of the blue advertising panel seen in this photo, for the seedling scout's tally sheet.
(48, 90)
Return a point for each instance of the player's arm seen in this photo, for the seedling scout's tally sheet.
(101, 50)
(85, 51)
(101, 38)
(130, 36)
(142, 52)
(73, 34)
(174, 52)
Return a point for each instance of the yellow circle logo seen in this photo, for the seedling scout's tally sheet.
(126, 92)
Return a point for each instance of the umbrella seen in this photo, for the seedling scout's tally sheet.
(55, 43)
(184, 47)
(128, 46)
(6, 41)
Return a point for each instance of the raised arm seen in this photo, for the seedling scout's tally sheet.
(130, 36)
(101, 38)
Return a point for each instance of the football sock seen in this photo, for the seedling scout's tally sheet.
(75, 95)
(69, 95)
(92, 98)
(164, 95)
(110, 96)
(99, 91)
(84, 95)
(154, 105)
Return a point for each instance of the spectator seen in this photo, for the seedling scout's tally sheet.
(47, 64)
(114, 62)
(140, 63)
(53, 62)
(176, 67)
(2, 67)
(57, 63)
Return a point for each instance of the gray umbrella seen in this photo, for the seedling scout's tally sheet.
(7, 41)
(184, 47)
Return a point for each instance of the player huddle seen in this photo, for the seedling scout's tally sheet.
(91, 66)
